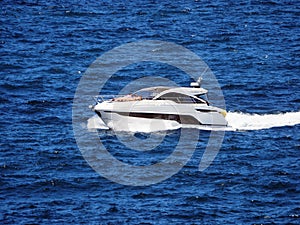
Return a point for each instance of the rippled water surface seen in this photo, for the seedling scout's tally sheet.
(253, 49)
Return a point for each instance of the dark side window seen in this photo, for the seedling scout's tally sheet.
(180, 98)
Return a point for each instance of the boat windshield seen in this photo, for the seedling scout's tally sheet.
(150, 93)
(181, 98)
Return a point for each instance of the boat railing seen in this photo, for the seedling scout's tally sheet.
(102, 98)
(117, 98)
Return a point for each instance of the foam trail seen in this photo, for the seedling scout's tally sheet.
(96, 123)
(245, 121)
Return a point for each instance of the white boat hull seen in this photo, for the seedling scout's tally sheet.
(148, 115)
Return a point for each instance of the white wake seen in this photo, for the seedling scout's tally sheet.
(245, 121)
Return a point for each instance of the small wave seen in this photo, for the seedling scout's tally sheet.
(96, 123)
(245, 121)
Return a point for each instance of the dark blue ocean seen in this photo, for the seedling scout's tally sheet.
(253, 49)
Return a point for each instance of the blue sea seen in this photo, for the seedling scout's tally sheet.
(253, 49)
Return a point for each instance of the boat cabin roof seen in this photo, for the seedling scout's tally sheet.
(183, 91)
(156, 92)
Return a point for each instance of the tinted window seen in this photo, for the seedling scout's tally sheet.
(180, 98)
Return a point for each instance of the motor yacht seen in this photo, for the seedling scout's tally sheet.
(159, 108)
